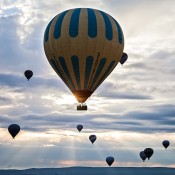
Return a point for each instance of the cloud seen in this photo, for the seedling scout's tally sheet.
(4, 99)
(19, 83)
(48, 145)
(126, 95)
(4, 120)
(135, 121)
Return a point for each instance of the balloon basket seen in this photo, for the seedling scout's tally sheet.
(82, 108)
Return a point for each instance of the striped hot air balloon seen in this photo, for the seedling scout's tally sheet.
(83, 46)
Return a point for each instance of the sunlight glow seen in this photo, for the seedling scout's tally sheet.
(64, 99)
(48, 145)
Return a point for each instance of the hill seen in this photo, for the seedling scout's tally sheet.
(92, 171)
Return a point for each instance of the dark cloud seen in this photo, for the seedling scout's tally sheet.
(135, 121)
(122, 90)
(124, 95)
(157, 112)
(4, 100)
(15, 81)
(137, 65)
(5, 121)
(166, 122)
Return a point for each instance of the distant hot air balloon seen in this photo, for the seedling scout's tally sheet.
(79, 127)
(123, 58)
(143, 156)
(92, 138)
(110, 160)
(166, 143)
(28, 74)
(14, 129)
(148, 152)
(83, 46)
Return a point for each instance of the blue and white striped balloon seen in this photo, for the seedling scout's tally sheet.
(83, 46)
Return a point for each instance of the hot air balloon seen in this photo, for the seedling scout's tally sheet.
(92, 138)
(110, 160)
(83, 46)
(14, 129)
(79, 127)
(28, 74)
(123, 58)
(148, 152)
(143, 156)
(166, 143)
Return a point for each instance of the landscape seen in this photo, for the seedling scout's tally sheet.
(90, 170)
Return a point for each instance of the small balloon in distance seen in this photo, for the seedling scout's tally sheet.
(13, 130)
(79, 127)
(166, 143)
(123, 58)
(110, 160)
(92, 138)
(148, 152)
(28, 74)
(142, 155)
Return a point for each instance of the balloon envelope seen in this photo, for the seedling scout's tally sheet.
(14, 129)
(83, 46)
(28, 74)
(166, 143)
(148, 152)
(79, 127)
(123, 58)
(92, 138)
(110, 160)
(143, 156)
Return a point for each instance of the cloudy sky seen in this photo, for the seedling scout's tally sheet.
(133, 109)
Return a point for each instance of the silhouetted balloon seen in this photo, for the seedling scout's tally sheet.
(92, 138)
(166, 143)
(123, 58)
(148, 152)
(83, 46)
(28, 74)
(143, 156)
(79, 127)
(110, 160)
(14, 129)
